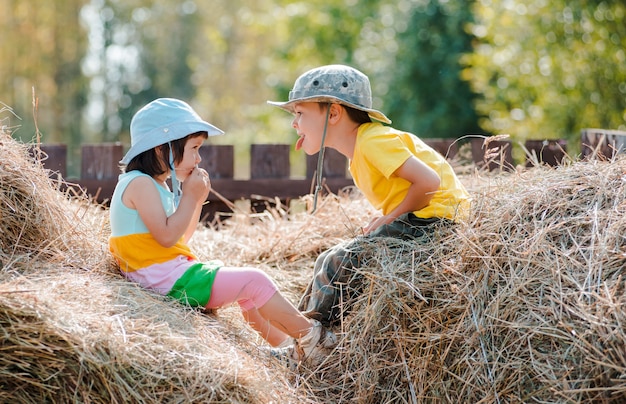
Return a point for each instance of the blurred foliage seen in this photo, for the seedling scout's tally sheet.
(547, 69)
(41, 45)
(535, 69)
(428, 96)
(142, 53)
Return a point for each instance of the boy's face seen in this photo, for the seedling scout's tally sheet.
(309, 123)
(191, 157)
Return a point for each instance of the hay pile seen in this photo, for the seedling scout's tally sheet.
(37, 220)
(73, 330)
(525, 303)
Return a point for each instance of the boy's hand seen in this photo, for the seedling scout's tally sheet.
(197, 185)
(376, 222)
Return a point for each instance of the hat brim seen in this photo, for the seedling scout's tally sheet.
(289, 106)
(174, 132)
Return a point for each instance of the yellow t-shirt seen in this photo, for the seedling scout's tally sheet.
(380, 150)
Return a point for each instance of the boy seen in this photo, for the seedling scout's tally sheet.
(409, 182)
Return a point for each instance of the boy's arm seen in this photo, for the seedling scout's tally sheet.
(424, 183)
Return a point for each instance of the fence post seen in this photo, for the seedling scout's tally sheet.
(53, 158)
(448, 148)
(550, 152)
(218, 161)
(333, 166)
(494, 155)
(269, 161)
(602, 143)
(100, 161)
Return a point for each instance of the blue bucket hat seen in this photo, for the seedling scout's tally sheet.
(162, 121)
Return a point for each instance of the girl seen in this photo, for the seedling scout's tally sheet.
(151, 225)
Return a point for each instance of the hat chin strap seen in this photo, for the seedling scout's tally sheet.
(320, 162)
(175, 184)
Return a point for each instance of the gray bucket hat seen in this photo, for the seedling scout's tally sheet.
(162, 121)
(333, 83)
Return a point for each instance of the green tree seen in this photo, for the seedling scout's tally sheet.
(409, 49)
(214, 55)
(547, 69)
(41, 46)
(427, 95)
(140, 51)
(356, 33)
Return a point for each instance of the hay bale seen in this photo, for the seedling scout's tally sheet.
(73, 330)
(523, 304)
(36, 219)
(93, 339)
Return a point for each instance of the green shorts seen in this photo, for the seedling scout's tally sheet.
(194, 287)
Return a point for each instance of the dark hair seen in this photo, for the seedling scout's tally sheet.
(355, 115)
(156, 160)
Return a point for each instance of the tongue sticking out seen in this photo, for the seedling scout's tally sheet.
(299, 143)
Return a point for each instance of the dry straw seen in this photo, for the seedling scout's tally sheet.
(73, 330)
(524, 303)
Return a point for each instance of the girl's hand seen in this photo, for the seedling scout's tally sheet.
(197, 185)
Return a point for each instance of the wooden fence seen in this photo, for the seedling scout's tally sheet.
(270, 167)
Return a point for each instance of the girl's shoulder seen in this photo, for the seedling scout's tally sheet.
(125, 178)
(131, 175)
(137, 183)
(136, 177)
(142, 182)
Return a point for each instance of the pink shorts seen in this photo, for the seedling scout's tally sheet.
(251, 288)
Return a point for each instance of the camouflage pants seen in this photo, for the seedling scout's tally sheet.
(334, 282)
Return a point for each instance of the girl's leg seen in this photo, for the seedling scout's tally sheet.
(312, 341)
(265, 309)
(284, 316)
(271, 334)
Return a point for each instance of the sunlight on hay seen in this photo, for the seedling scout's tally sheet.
(37, 220)
(524, 303)
(123, 346)
(75, 331)
(285, 244)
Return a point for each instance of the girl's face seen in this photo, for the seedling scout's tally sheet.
(191, 157)
(309, 122)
